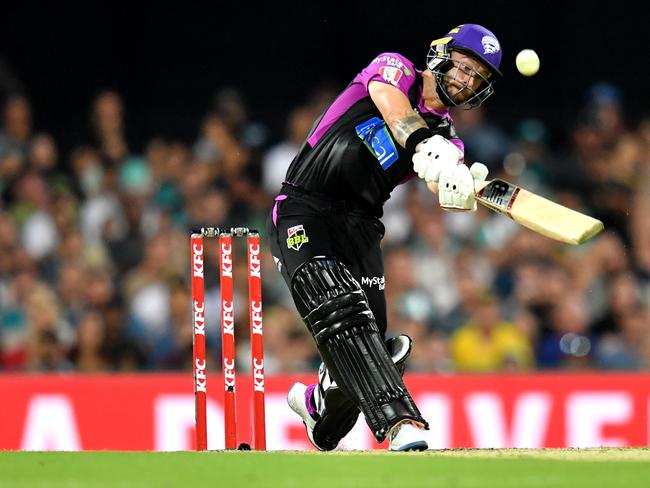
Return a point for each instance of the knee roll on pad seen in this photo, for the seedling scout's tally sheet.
(331, 298)
(337, 313)
(340, 313)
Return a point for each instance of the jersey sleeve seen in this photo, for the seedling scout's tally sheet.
(391, 68)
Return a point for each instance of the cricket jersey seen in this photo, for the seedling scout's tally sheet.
(350, 153)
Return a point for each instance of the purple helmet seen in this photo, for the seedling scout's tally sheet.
(479, 43)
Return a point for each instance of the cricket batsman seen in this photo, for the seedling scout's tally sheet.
(389, 124)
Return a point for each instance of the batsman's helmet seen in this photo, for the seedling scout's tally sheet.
(479, 43)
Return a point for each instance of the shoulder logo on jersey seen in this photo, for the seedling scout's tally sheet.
(378, 140)
(391, 74)
(392, 62)
(296, 237)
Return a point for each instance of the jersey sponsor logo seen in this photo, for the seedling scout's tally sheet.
(391, 74)
(378, 281)
(378, 140)
(394, 62)
(296, 237)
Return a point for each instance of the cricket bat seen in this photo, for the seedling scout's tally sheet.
(536, 213)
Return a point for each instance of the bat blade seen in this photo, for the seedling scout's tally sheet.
(538, 213)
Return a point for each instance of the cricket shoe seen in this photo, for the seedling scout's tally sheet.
(298, 398)
(406, 436)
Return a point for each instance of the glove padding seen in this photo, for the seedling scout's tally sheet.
(434, 154)
(479, 172)
(456, 186)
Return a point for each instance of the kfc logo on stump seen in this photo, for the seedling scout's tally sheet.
(254, 260)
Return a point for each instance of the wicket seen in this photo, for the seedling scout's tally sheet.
(228, 335)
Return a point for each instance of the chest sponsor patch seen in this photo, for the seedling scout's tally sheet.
(378, 140)
(296, 237)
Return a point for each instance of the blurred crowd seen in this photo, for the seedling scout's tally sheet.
(94, 244)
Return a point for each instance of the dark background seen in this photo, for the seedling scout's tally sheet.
(167, 61)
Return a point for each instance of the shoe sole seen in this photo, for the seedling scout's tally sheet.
(413, 446)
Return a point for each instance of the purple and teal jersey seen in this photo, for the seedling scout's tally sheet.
(350, 153)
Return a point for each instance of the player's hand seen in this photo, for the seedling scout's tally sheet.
(432, 155)
(456, 188)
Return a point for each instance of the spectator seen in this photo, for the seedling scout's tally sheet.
(277, 158)
(568, 342)
(405, 297)
(623, 349)
(48, 354)
(17, 127)
(109, 131)
(49, 335)
(488, 344)
(88, 354)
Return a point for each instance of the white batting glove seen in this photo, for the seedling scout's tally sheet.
(456, 188)
(479, 173)
(434, 154)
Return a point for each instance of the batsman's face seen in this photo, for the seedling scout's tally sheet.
(465, 77)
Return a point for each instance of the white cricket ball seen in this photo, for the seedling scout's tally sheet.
(527, 62)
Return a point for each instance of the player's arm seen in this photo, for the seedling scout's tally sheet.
(434, 157)
(397, 112)
(430, 152)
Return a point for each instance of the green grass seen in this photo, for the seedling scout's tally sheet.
(454, 468)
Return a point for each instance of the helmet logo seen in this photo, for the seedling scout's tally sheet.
(490, 45)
